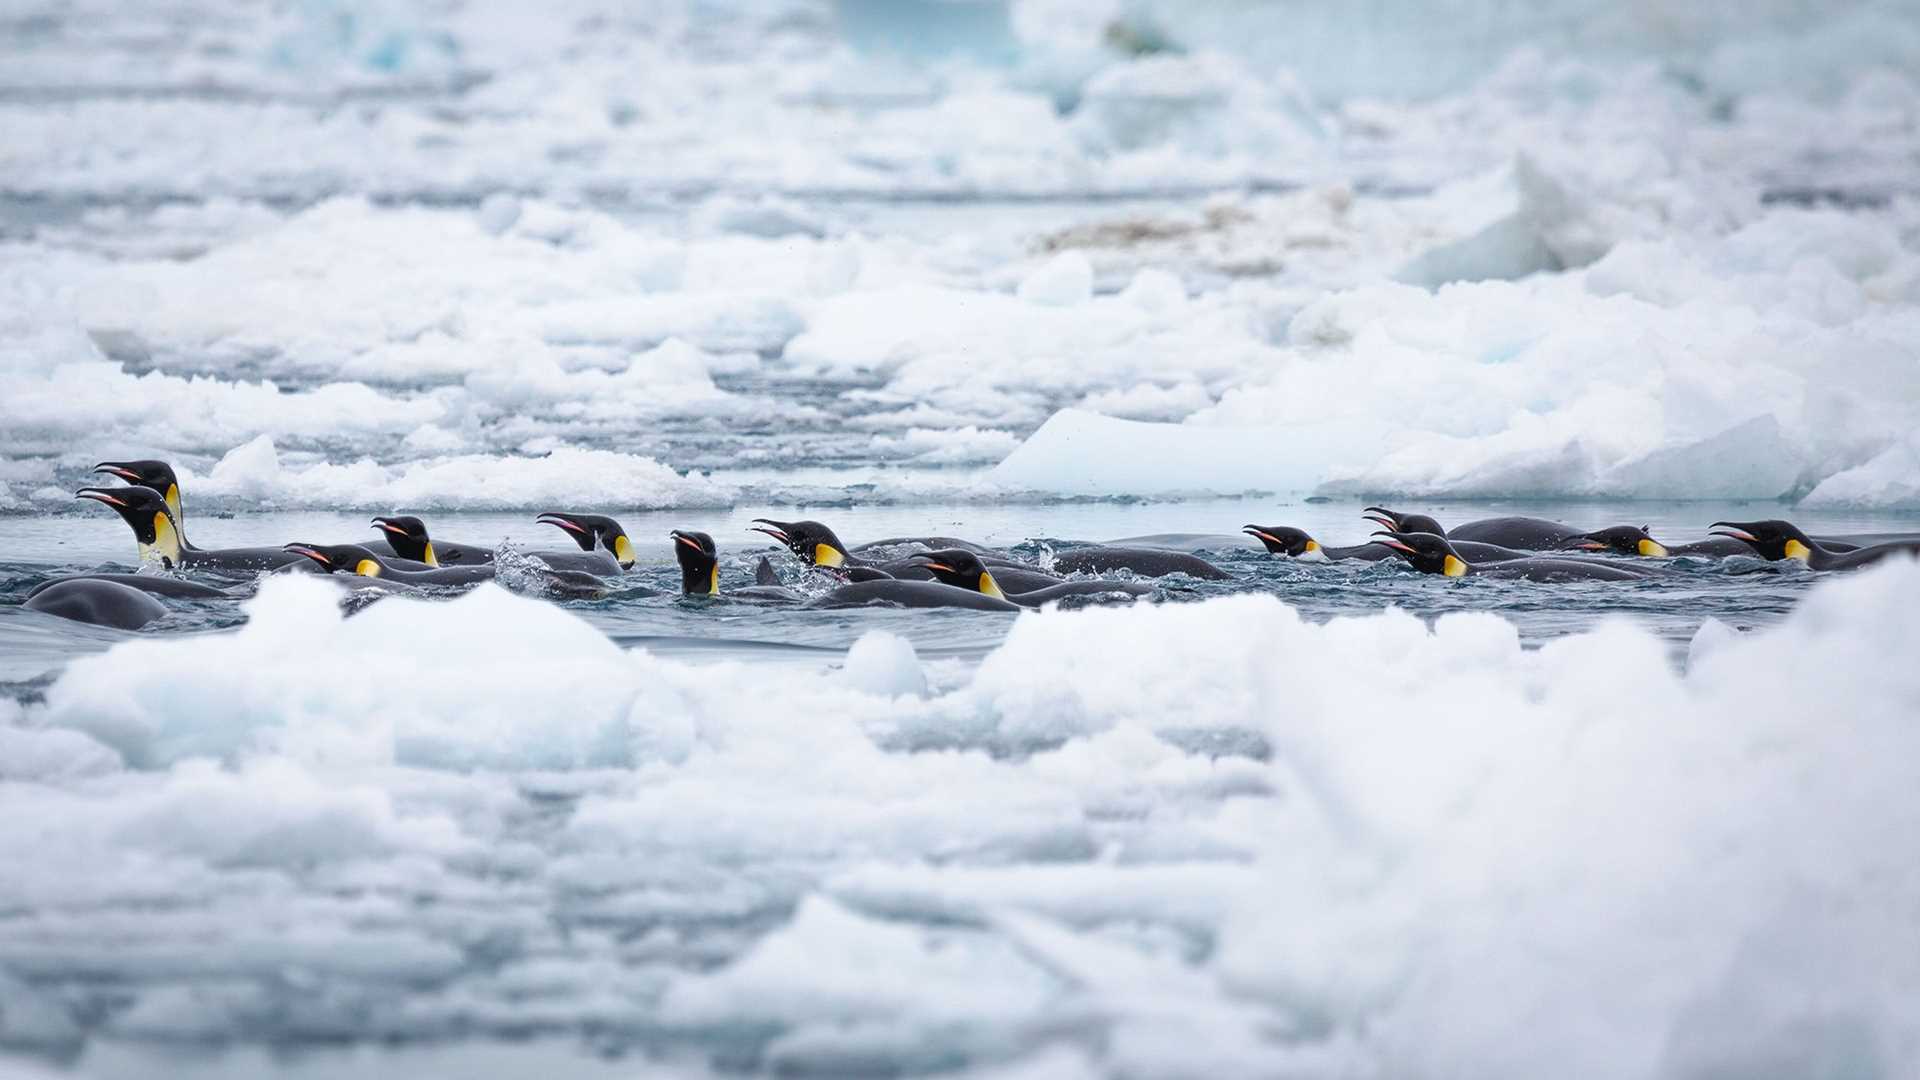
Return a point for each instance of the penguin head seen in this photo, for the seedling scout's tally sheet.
(145, 511)
(157, 475)
(1621, 540)
(340, 558)
(408, 538)
(1283, 539)
(590, 529)
(961, 568)
(1773, 540)
(1403, 523)
(699, 563)
(1429, 553)
(813, 542)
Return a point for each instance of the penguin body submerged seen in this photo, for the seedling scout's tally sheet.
(912, 594)
(1431, 553)
(1775, 540)
(96, 601)
(152, 584)
(407, 538)
(604, 547)
(963, 569)
(159, 538)
(1529, 533)
(699, 559)
(1295, 543)
(1147, 562)
(358, 560)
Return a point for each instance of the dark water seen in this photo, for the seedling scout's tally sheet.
(1742, 592)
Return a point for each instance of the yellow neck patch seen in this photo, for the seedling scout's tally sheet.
(1798, 550)
(1652, 550)
(173, 501)
(827, 555)
(367, 568)
(1453, 567)
(990, 586)
(623, 551)
(166, 542)
(1313, 545)
(429, 557)
(713, 581)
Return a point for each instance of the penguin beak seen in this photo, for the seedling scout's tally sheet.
(932, 565)
(563, 521)
(1589, 545)
(1255, 530)
(383, 523)
(1378, 519)
(1395, 543)
(120, 471)
(1733, 531)
(101, 495)
(687, 540)
(309, 552)
(762, 525)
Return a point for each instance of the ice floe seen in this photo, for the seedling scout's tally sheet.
(1652, 862)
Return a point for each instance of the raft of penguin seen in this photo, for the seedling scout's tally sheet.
(911, 572)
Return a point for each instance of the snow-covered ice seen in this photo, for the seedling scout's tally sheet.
(970, 261)
(1448, 853)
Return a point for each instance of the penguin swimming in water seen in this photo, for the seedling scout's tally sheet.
(699, 559)
(1775, 540)
(963, 569)
(1520, 533)
(912, 594)
(604, 547)
(1620, 540)
(158, 535)
(97, 601)
(1394, 521)
(408, 538)
(1296, 544)
(1539, 534)
(159, 478)
(153, 584)
(356, 559)
(817, 545)
(1147, 562)
(1431, 553)
(156, 475)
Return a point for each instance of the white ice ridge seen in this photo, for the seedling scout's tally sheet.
(1637, 327)
(1454, 856)
(1778, 360)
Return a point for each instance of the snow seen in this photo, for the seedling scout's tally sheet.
(1574, 853)
(724, 255)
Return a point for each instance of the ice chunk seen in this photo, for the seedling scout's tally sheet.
(1062, 281)
(884, 664)
(831, 965)
(53, 754)
(1082, 453)
(1890, 481)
